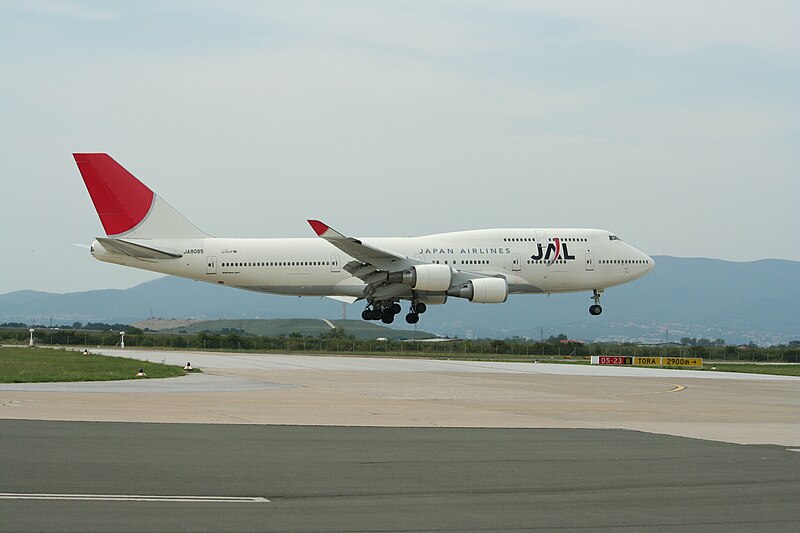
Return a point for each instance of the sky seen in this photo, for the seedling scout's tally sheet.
(674, 124)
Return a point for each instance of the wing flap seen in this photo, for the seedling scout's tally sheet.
(343, 299)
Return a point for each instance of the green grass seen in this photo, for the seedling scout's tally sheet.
(775, 370)
(34, 365)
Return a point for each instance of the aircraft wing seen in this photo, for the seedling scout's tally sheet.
(364, 253)
(377, 267)
(371, 265)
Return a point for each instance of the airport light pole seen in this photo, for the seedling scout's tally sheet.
(121, 339)
(31, 341)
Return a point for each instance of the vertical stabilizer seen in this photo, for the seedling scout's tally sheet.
(127, 207)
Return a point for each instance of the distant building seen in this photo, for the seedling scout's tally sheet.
(572, 341)
(659, 344)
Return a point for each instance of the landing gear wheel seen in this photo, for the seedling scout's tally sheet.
(412, 318)
(595, 310)
(387, 312)
(375, 314)
(396, 308)
(420, 307)
(366, 314)
(387, 318)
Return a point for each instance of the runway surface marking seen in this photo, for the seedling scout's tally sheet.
(132, 498)
(675, 388)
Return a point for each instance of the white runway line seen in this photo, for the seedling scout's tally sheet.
(132, 498)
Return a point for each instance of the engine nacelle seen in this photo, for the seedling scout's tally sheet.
(435, 278)
(482, 290)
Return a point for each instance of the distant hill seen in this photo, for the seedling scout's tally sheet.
(682, 297)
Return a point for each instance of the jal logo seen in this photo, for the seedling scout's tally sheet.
(555, 250)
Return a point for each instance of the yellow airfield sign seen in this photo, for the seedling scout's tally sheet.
(681, 361)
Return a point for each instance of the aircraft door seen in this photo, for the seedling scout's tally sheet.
(211, 265)
(516, 262)
(589, 262)
(541, 241)
(335, 267)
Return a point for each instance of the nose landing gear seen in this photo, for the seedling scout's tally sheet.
(595, 309)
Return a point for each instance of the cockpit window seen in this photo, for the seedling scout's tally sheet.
(613, 238)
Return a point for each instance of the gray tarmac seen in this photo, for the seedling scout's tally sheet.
(237, 388)
(390, 479)
(358, 444)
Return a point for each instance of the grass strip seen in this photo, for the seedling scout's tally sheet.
(772, 369)
(35, 365)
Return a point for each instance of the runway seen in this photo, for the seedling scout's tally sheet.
(385, 392)
(305, 478)
(317, 443)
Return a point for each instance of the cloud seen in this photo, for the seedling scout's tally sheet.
(404, 118)
(678, 27)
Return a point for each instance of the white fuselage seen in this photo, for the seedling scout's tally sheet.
(573, 260)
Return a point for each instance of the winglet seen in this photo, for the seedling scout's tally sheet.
(319, 227)
(325, 231)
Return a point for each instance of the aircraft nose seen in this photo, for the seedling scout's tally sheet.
(649, 261)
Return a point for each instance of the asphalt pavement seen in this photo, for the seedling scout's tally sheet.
(386, 479)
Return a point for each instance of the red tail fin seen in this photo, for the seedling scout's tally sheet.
(127, 208)
(121, 200)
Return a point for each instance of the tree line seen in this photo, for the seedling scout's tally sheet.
(339, 341)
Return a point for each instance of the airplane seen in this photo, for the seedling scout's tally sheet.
(481, 266)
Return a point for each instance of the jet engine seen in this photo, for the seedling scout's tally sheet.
(435, 278)
(482, 290)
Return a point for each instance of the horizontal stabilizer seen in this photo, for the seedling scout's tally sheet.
(137, 250)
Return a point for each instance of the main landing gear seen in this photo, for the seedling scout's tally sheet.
(386, 313)
(596, 309)
(416, 309)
